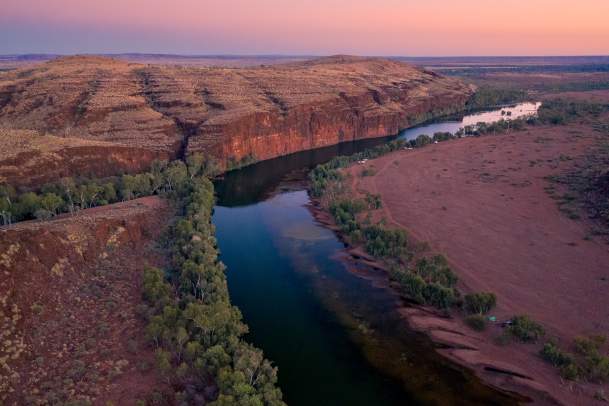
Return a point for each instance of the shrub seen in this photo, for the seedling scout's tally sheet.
(439, 296)
(422, 140)
(436, 270)
(594, 365)
(382, 242)
(588, 346)
(487, 96)
(442, 136)
(555, 356)
(562, 111)
(476, 322)
(374, 201)
(27, 205)
(525, 329)
(587, 363)
(42, 214)
(571, 372)
(480, 303)
(410, 285)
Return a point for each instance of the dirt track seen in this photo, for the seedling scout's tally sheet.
(482, 203)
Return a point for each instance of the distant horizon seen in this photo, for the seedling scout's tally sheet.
(287, 55)
(434, 28)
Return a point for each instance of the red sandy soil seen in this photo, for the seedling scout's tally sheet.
(70, 289)
(481, 202)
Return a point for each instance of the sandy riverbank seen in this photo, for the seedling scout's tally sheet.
(482, 203)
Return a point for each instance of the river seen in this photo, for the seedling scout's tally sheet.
(333, 330)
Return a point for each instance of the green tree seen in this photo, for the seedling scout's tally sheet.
(195, 164)
(128, 187)
(142, 184)
(480, 302)
(51, 203)
(156, 290)
(27, 204)
(156, 172)
(109, 192)
(7, 197)
(163, 362)
(176, 176)
(68, 186)
(215, 358)
(525, 329)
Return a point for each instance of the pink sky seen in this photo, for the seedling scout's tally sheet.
(373, 27)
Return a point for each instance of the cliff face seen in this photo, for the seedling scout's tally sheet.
(29, 159)
(270, 111)
(268, 135)
(158, 111)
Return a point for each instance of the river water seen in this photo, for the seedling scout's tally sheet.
(333, 330)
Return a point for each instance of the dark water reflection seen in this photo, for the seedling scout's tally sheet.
(336, 336)
(253, 183)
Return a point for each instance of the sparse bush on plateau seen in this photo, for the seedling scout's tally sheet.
(585, 363)
(525, 329)
(480, 302)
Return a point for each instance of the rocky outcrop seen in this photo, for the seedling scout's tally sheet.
(229, 113)
(29, 159)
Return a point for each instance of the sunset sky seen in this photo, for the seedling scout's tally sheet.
(312, 27)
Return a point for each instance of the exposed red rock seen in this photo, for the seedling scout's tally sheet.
(69, 295)
(143, 112)
(31, 159)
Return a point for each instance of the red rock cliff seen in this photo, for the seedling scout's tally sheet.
(141, 112)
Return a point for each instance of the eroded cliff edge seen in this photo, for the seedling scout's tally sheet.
(125, 115)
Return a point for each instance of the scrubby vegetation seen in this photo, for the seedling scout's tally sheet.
(70, 195)
(524, 329)
(233, 163)
(552, 112)
(586, 362)
(328, 173)
(487, 96)
(499, 127)
(554, 355)
(480, 303)
(197, 333)
(561, 111)
(432, 290)
(426, 280)
(325, 174)
(587, 187)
